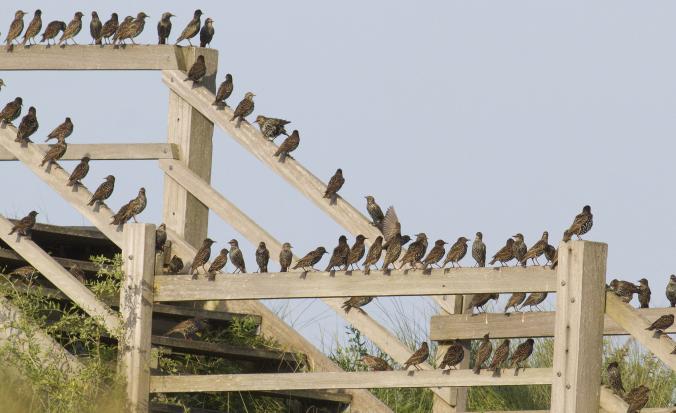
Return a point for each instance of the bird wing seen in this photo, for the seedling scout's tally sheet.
(391, 225)
(15, 29)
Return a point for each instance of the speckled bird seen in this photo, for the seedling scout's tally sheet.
(243, 109)
(505, 254)
(478, 301)
(80, 172)
(189, 328)
(285, 257)
(375, 363)
(11, 111)
(583, 222)
(373, 255)
(109, 28)
(519, 247)
(131, 30)
(555, 259)
(356, 252)
(55, 153)
(104, 190)
(271, 128)
(479, 250)
(123, 28)
(550, 254)
(644, 293)
(236, 257)
(536, 250)
(392, 226)
(160, 237)
(436, 254)
(27, 271)
(483, 353)
(664, 322)
(671, 290)
(615, 378)
(15, 29)
(262, 257)
(500, 356)
(375, 212)
(624, 289)
(2, 83)
(335, 183)
(62, 131)
(164, 28)
(456, 252)
(310, 259)
(637, 398)
(356, 302)
(224, 91)
(131, 209)
(72, 30)
(95, 27)
(28, 126)
(77, 272)
(419, 357)
(535, 299)
(392, 252)
(201, 257)
(289, 145)
(25, 224)
(522, 352)
(207, 32)
(175, 265)
(192, 28)
(33, 29)
(453, 356)
(515, 301)
(197, 70)
(53, 29)
(340, 254)
(217, 264)
(416, 251)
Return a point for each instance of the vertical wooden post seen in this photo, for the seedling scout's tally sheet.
(136, 306)
(578, 332)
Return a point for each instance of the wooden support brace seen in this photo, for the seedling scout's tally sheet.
(113, 151)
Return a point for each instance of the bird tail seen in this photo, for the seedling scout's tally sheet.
(477, 369)
(70, 183)
(492, 261)
(12, 231)
(346, 307)
(91, 202)
(162, 41)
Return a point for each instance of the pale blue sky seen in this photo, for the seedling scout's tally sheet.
(490, 116)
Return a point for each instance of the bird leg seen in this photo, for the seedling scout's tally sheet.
(190, 43)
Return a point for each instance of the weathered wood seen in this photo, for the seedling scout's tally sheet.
(199, 312)
(578, 330)
(115, 151)
(636, 323)
(9, 255)
(455, 398)
(136, 307)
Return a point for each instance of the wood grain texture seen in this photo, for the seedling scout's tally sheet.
(110, 151)
(452, 399)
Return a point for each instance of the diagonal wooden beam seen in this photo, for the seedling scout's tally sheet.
(110, 151)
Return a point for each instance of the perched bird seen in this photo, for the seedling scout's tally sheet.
(79, 173)
(520, 249)
(356, 252)
(33, 29)
(391, 227)
(189, 328)
(25, 224)
(478, 301)
(479, 250)
(197, 70)
(373, 256)
(217, 264)
(62, 131)
(95, 27)
(131, 30)
(72, 29)
(201, 257)
(243, 109)
(262, 257)
(335, 183)
(27, 271)
(356, 302)
(644, 293)
(160, 237)
(392, 252)
(522, 352)
(77, 272)
(664, 322)
(164, 28)
(615, 378)
(207, 32)
(224, 91)
(104, 190)
(109, 28)
(271, 128)
(192, 28)
(483, 353)
(671, 290)
(536, 250)
(501, 355)
(28, 126)
(131, 209)
(285, 257)
(624, 289)
(456, 252)
(311, 259)
(454, 355)
(375, 212)
(416, 251)
(123, 29)
(505, 254)
(11, 111)
(637, 398)
(289, 145)
(53, 29)
(550, 253)
(418, 357)
(375, 363)
(55, 152)
(436, 254)
(515, 301)
(175, 265)
(236, 257)
(340, 254)
(15, 29)
(583, 222)
(555, 259)
(535, 299)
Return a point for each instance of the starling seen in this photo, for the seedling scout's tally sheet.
(637, 398)
(550, 253)
(218, 264)
(28, 126)
(55, 152)
(52, 30)
(375, 212)
(95, 27)
(644, 293)
(664, 322)
(271, 128)
(192, 28)
(175, 265)
(335, 183)
(109, 28)
(197, 70)
(373, 256)
(624, 289)
(515, 301)
(11, 111)
(33, 29)
(671, 290)
(416, 251)
(391, 227)
(483, 353)
(375, 363)
(27, 271)
(164, 28)
(615, 378)
(79, 172)
(131, 209)
(72, 29)
(535, 299)
(202, 257)
(62, 131)
(15, 29)
(160, 237)
(340, 254)
(478, 301)
(237, 258)
(224, 91)
(555, 257)
(356, 302)
(104, 191)
(243, 109)
(479, 250)
(356, 252)
(456, 252)
(311, 259)
(25, 224)
(2, 83)
(522, 352)
(189, 328)
(289, 145)
(436, 254)
(506, 253)
(500, 356)
(285, 257)
(454, 355)
(418, 357)
(207, 32)
(583, 222)
(77, 272)
(123, 28)
(131, 30)
(392, 252)
(262, 257)
(536, 250)
(519, 247)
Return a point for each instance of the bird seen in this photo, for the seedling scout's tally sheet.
(500, 356)
(271, 128)
(285, 257)
(164, 28)
(236, 257)
(109, 28)
(62, 131)
(644, 293)
(25, 224)
(224, 91)
(550, 253)
(505, 254)
(392, 252)
(207, 32)
(536, 249)
(456, 252)
(310, 259)
(522, 352)
(175, 264)
(515, 301)
(555, 257)
(262, 257)
(671, 290)
(356, 302)
(374, 253)
(637, 398)
(335, 183)
(33, 29)
(123, 28)
(615, 378)
(375, 212)
(478, 301)
(95, 27)
(28, 126)
(160, 237)
(289, 145)
(479, 250)
(192, 28)
(11, 111)
(520, 249)
(15, 29)
(55, 152)
(104, 191)
(217, 264)
(53, 29)
(375, 363)
(357, 252)
(131, 209)
(535, 299)
(664, 322)
(2, 83)
(131, 30)
(80, 172)
(27, 271)
(77, 272)
(583, 222)
(624, 289)
(391, 227)
(416, 251)
(201, 257)
(189, 328)
(454, 356)
(72, 29)
(243, 109)
(483, 353)
(418, 357)
(436, 254)
(197, 70)
(340, 254)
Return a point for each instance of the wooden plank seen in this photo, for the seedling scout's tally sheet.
(636, 323)
(578, 327)
(523, 324)
(59, 276)
(136, 307)
(57, 178)
(199, 312)
(138, 57)
(612, 403)
(105, 151)
(9, 255)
